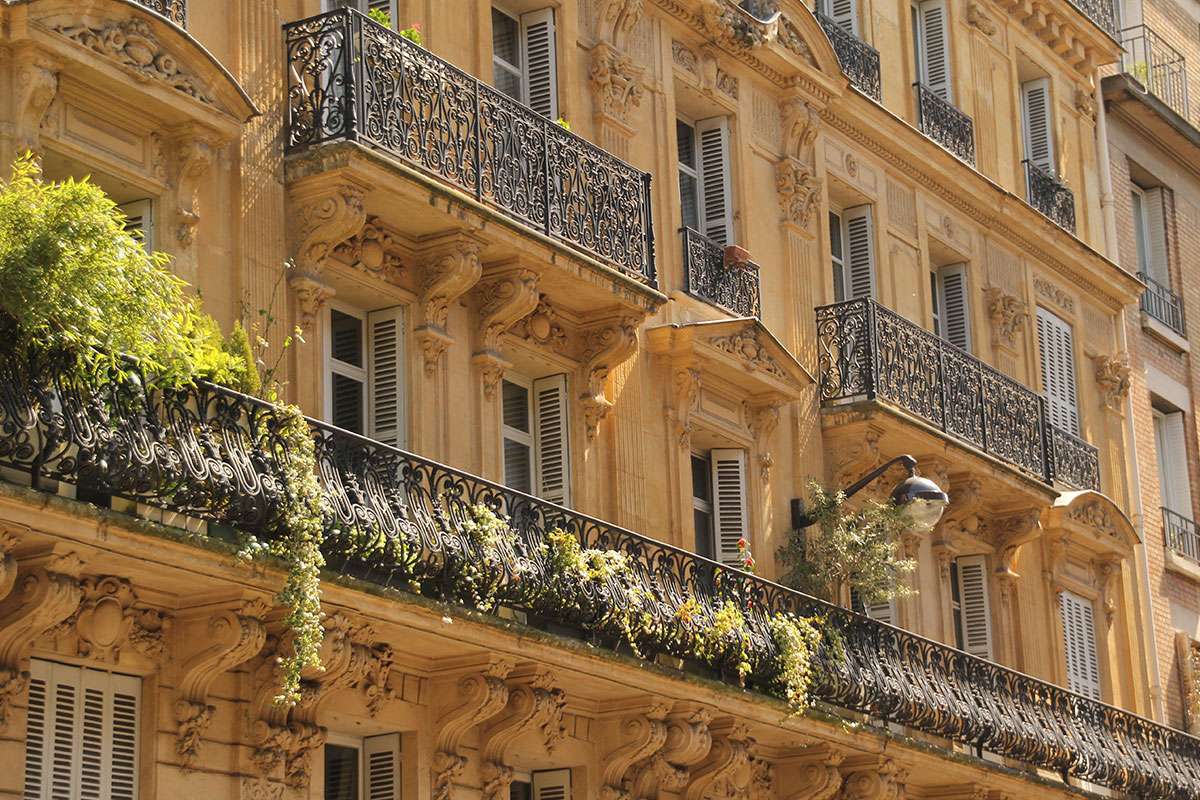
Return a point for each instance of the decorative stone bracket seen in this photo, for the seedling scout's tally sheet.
(616, 19)
(450, 267)
(1187, 653)
(535, 703)
(616, 84)
(311, 297)
(322, 215)
(483, 694)
(505, 297)
(1007, 315)
(686, 401)
(815, 770)
(798, 190)
(36, 83)
(195, 152)
(607, 346)
(725, 773)
(764, 419)
(1113, 379)
(873, 779)
(643, 735)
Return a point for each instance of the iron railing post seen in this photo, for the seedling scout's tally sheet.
(872, 350)
(651, 266)
(355, 77)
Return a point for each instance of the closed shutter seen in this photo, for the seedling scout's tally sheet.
(1079, 642)
(935, 47)
(541, 71)
(81, 734)
(551, 784)
(139, 220)
(1056, 345)
(954, 315)
(729, 503)
(716, 204)
(973, 602)
(860, 251)
(880, 611)
(551, 442)
(844, 13)
(1036, 121)
(1171, 440)
(385, 376)
(1155, 201)
(381, 767)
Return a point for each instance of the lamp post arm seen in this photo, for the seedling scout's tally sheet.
(802, 519)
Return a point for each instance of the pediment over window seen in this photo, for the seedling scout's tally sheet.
(1094, 521)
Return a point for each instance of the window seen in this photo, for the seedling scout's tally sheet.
(1037, 124)
(363, 769)
(535, 440)
(1150, 232)
(931, 47)
(81, 737)
(523, 59)
(1056, 345)
(1170, 441)
(1079, 642)
(139, 219)
(951, 320)
(842, 12)
(704, 184)
(883, 611)
(545, 784)
(719, 504)
(364, 390)
(852, 253)
(969, 602)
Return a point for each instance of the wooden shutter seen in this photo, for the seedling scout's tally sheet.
(1056, 345)
(954, 315)
(934, 36)
(1079, 642)
(844, 13)
(1171, 436)
(139, 219)
(551, 784)
(541, 70)
(385, 376)
(716, 203)
(729, 503)
(381, 767)
(82, 734)
(1037, 123)
(551, 441)
(881, 611)
(1155, 204)
(973, 603)
(859, 243)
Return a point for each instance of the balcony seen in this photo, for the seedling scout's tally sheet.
(174, 10)
(858, 59)
(733, 287)
(1157, 66)
(1181, 535)
(1163, 304)
(1046, 193)
(350, 79)
(397, 520)
(1101, 12)
(945, 124)
(868, 352)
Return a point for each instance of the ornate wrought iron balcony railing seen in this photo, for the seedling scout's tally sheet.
(941, 121)
(395, 519)
(1156, 65)
(733, 288)
(174, 10)
(869, 352)
(858, 59)
(1181, 534)
(350, 78)
(1163, 304)
(1049, 195)
(1101, 12)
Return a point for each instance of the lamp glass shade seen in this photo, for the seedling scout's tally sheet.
(923, 499)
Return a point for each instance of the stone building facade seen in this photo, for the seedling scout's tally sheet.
(777, 244)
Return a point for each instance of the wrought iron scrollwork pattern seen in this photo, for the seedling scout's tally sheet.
(174, 10)
(941, 121)
(733, 288)
(869, 352)
(396, 520)
(1163, 304)
(1101, 12)
(350, 78)
(1049, 196)
(857, 59)
(1074, 461)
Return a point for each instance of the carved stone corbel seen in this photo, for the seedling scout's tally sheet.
(859, 457)
(686, 401)
(1187, 655)
(484, 695)
(725, 773)
(322, 217)
(505, 297)
(616, 84)
(798, 190)
(534, 703)
(643, 735)
(106, 620)
(617, 18)
(10, 535)
(1108, 570)
(311, 297)
(36, 84)
(449, 269)
(815, 771)
(194, 155)
(1008, 534)
(762, 779)
(873, 780)
(235, 637)
(1007, 315)
(801, 125)
(1113, 379)
(605, 348)
(689, 741)
(375, 250)
(764, 419)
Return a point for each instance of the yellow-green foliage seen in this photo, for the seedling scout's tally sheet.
(237, 345)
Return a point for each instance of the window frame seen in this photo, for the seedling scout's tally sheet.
(703, 459)
(336, 366)
(517, 435)
(515, 70)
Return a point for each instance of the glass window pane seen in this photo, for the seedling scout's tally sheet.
(518, 466)
(341, 772)
(701, 478)
(689, 210)
(346, 337)
(685, 138)
(515, 406)
(520, 790)
(506, 39)
(835, 236)
(509, 82)
(347, 410)
(704, 532)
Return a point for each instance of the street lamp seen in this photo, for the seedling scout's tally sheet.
(922, 498)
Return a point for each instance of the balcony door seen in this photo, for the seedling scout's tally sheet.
(1036, 124)
(931, 46)
(843, 12)
(524, 64)
(1170, 442)
(1056, 346)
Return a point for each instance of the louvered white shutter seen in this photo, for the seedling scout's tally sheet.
(551, 784)
(860, 251)
(716, 203)
(385, 376)
(1056, 344)
(82, 734)
(139, 219)
(1156, 234)
(381, 767)
(882, 611)
(843, 12)
(934, 37)
(551, 442)
(729, 503)
(1036, 123)
(953, 314)
(1079, 641)
(973, 603)
(1171, 436)
(540, 77)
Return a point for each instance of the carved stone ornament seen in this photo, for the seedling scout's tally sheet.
(1113, 379)
(311, 297)
(36, 84)
(746, 347)
(1187, 654)
(482, 696)
(1007, 315)
(725, 774)
(617, 18)
(686, 402)
(1108, 570)
(106, 621)
(689, 741)
(605, 347)
(1085, 102)
(373, 250)
(1096, 516)
(1008, 534)
(616, 82)
(684, 57)
(978, 18)
(541, 327)
(764, 419)
(535, 703)
(815, 772)
(505, 297)
(859, 456)
(132, 44)
(642, 736)
(194, 155)
(798, 190)
(1054, 294)
(801, 124)
(882, 781)
(448, 272)
(322, 219)
(727, 84)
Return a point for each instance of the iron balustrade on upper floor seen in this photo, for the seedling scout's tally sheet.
(733, 287)
(397, 520)
(1163, 304)
(1101, 12)
(868, 352)
(1156, 65)
(1181, 534)
(351, 79)
(938, 119)
(174, 10)
(858, 60)
(1050, 196)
